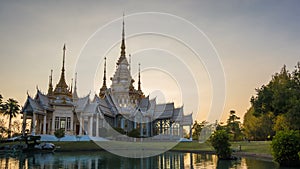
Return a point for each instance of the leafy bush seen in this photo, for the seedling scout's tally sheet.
(119, 130)
(134, 133)
(220, 142)
(59, 133)
(285, 147)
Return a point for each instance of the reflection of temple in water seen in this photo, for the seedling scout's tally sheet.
(103, 159)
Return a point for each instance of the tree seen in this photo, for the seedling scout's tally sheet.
(220, 142)
(10, 109)
(3, 129)
(60, 133)
(1, 104)
(281, 97)
(233, 126)
(258, 128)
(16, 128)
(134, 133)
(197, 128)
(285, 147)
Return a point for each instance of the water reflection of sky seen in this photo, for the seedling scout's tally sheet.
(102, 159)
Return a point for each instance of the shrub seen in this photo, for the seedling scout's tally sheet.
(220, 142)
(134, 133)
(119, 130)
(59, 133)
(285, 147)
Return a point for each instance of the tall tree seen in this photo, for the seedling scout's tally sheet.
(258, 128)
(197, 128)
(234, 126)
(1, 104)
(10, 109)
(281, 97)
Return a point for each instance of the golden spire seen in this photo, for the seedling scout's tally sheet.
(62, 87)
(103, 88)
(123, 53)
(64, 55)
(139, 91)
(75, 96)
(123, 39)
(62, 80)
(50, 88)
(139, 82)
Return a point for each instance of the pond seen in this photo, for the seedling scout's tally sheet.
(103, 159)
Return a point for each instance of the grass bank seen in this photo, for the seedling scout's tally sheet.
(258, 147)
(253, 148)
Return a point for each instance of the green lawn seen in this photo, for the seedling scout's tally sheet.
(259, 147)
(255, 147)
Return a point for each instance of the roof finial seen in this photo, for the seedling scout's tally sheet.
(71, 88)
(130, 63)
(62, 87)
(64, 55)
(104, 75)
(75, 96)
(123, 38)
(103, 88)
(139, 82)
(50, 88)
(75, 83)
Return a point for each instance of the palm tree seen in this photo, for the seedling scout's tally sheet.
(1, 104)
(11, 109)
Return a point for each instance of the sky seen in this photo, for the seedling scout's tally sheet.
(208, 56)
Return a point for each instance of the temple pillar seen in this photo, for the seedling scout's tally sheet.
(90, 126)
(141, 129)
(44, 124)
(33, 124)
(181, 131)
(53, 124)
(97, 125)
(24, 123)
(171, 130)
(72, 125)
(80, 124)
(190, 131)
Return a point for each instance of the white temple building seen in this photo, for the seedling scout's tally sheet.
(121, 106)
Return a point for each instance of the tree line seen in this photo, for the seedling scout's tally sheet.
(9, 109)
(275, 107)
(274, 115)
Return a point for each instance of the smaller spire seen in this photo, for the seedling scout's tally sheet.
(139, 82)
(50, 88)
(62, 89)
(75, 96)
(71, 88)
(64, 55)
(104, 75)
(123, 53)
(130, 63)
(104, 87)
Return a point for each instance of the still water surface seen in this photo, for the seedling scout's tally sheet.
(103, 159)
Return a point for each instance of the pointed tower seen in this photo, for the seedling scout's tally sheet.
(123, 53)
(75, 95)
(61, 91)
(122, 79)
(139, 82)
(50, 87)
(140, 92)
(104, 87)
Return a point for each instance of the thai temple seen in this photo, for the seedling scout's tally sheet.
(119, 106)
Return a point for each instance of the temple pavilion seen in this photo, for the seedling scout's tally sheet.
(119, 106)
